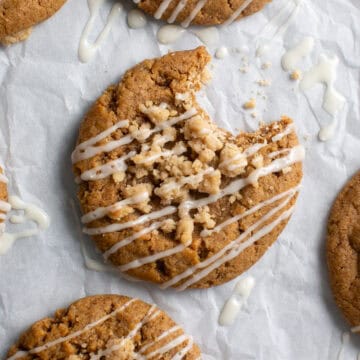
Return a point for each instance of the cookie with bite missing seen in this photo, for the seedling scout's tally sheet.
(201, 12)
(343, 251)
(17, 17)
(168, 196)
(106, 327)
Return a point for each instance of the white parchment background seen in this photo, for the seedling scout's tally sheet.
(45, 91)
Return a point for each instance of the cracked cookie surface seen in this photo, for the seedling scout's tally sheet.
(18, 16)
(107, 327)
(169, 197)
(203, 12)
(343, 250)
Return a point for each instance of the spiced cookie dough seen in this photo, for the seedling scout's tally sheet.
(201, 12)
(169, 197)
(18, 16)
(343, 250)
(110, 327)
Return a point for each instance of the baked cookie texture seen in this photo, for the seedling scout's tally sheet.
(203, 12)
(18, 16)
(343, 250)
(169, 197)
(110, 327)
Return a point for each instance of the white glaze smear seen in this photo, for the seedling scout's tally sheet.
(209, 36)
(31, 213)
(238, 299)
(86, 49)
(136, 19)
(293, 56)
(325, 73)
(168, 34)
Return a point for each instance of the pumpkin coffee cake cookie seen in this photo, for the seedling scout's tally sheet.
(201, 12)
(343, 251)
(169, 197)
(18, 16)
(110, 327)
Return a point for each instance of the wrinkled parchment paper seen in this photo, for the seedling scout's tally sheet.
(45, 91)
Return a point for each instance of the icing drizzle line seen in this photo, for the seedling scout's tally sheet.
(150, 315)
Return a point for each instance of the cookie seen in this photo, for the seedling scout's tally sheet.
(18, 16)
(201, 12)
(343, 250)
(4, 205)
(169, 197)
(106, 327)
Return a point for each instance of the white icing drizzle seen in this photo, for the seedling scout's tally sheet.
(73, 335)
(325, 73)
(200, 4)
(149, 259)
(87, 149)
(107, 169)
(291, 58)
(148, 317)
(81, 151)
(289, 129)
(327, 132)
(236, 250)
(162, 8)
(234, 304)
(172, 344)
(131, 238)
(252, 210)
(5, 206)
(219, 256)
(136, 19)
(87, 50)
(140, 220)
(178, 9)
(180, 355)
(103, 211)
(295, 155)
(274, 154)
(345, 339)
(164, 5)
(31, 213)
(159, 338)
(169, 34)
(238, 12)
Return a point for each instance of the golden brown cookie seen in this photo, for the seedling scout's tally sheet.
(106, 327)
(201, 12)
(343, 250)
(169, 197)
(4, 205)
(18, 16)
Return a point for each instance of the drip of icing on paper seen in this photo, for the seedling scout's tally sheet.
(222, 52)
(234, 304)
(345, 340)
(31, 213)
(292, 57)
(136, 19)
(325, 73)
(209, 36)
(169, 34)
(86, 49)
(277, 26)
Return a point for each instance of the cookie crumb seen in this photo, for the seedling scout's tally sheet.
(295, 75)
(251, 104)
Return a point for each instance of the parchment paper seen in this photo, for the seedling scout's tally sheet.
(45, 91)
